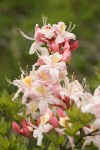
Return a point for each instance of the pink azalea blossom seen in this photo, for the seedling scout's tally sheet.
(26, 129)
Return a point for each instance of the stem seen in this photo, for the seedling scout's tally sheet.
(29, 143)
(47, 145)
(80, 137)
(89, 134)
(85, 136)
(78, 140)
(63, 147)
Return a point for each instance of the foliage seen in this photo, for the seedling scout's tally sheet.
(9, 140)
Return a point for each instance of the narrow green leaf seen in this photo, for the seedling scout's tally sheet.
(4, 142)
(61, 139)
(52, 136)
(74, 113)
(3, 126)
(73, 128)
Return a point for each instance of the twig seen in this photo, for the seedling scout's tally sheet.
(80, 137)
(63, 147)
(47, 145)
(85, 136)
(89, 134)
(29, 143)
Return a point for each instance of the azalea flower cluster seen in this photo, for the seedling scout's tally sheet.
(48, 93)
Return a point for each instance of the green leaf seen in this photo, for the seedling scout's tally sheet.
(12, 137)
(73, 113)
(60, 139)
(52, 136)
(4, 142)
(73, 128)
(91, 147)
(52, 146)
(76, 115)
(86, 118)
(3, 126)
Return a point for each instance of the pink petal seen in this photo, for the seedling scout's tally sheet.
(66, 56)
(54, 47)
(74, 45)
(15, 127)
(54, 121)
(60, 131)
(60, 112)
(24, 123)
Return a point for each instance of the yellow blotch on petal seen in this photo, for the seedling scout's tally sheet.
(45, 118)
(43, 75)
(32, 106)
(62, 121)
(62, 26)
(56, 57)
(33, 109)
(41, 89)
(27, 80)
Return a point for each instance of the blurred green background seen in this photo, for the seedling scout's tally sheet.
(25, 14)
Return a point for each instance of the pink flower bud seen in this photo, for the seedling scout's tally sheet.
(73, 45)
(15, 127)
(54, 121)
(26, 131)
(24, 123)
(60, 112)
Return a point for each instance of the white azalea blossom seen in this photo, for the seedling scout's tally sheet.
(38, 132)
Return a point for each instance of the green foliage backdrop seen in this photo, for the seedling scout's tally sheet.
(25, 14)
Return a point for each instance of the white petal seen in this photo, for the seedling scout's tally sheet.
(96, 125)
(71, 139)
(44, 51)
(68, 35)
(25, 96)
(54, 73)
(59, 39)
(47, 128)
(34, 47)
(32, 106)
(39, 140)
(96, 141)
(43, 106)
(60, 131)
(88, 140)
